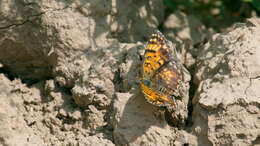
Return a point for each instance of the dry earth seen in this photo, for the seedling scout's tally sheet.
(69, 77)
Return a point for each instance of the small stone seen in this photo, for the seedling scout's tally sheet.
(49, 86)
(61, 81)
(76, 115)
(62, 112)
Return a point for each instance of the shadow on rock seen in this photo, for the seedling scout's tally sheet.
(135, 121)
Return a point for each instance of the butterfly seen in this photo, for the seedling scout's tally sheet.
(161, 72)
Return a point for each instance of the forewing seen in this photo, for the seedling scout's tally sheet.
(157, 53)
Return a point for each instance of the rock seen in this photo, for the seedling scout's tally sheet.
(220, 58)
(14, 130)
(145, 16)
(94, 140)
(94, 118)
(185, 138)
(128, 70)
(227, 103)
(135, 122)
(49, 90)
(49, 86)
(93, 90)
(27, 120)
(187, 33)
(81, 96)
(51, 37)
(185, 27)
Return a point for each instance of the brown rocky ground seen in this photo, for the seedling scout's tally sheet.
(69, 76)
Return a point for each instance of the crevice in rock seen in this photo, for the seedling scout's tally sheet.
(109, 118)
(250, 79)
(118, 81)
(257, 140)
(30, 18)
(192, 91)
(66, 119)
(4, 70)
(66, 90)
(28, 81)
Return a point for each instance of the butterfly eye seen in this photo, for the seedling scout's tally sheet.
(147, 83)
